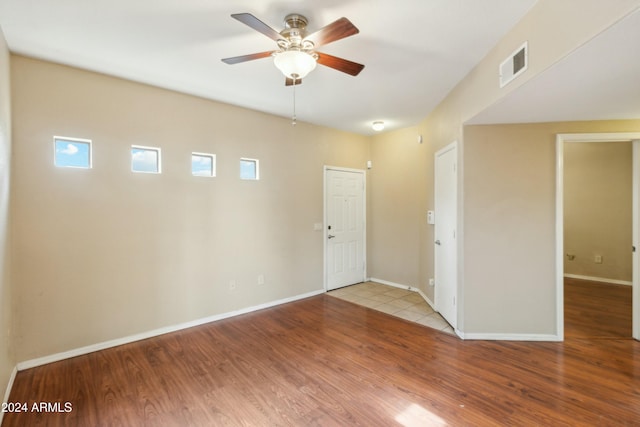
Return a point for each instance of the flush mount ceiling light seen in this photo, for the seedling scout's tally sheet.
(377, 126)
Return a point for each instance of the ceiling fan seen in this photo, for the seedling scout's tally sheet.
(296, 55)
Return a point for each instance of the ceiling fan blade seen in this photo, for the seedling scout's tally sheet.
(291, 82)
(258, 25)
(335, 31)
(245, 58)
(340, 64)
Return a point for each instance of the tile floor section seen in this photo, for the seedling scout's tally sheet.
(398, 302)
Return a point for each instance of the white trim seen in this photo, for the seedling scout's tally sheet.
(325, 232)
(27, 364)
(509, 337)
(394, 284)
(561, 138)
(635, 240)
(7, 392)
(460, 240)
(426, 298)
(599, 279)
(560, 237)
(475, 336)
(388, 283)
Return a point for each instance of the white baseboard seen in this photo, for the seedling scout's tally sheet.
(599, 279)
(426, 298)
(508, 337)
(394, 284)
(154, 333)
(475, 336)
(388, 283)
(7, 392)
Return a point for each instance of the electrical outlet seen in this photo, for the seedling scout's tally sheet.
(432, 282)
(597, 259)
(260, 279)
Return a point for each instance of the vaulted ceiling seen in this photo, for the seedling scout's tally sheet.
(598, 81)
(414, 51)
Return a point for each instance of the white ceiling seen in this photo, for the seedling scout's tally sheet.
(598, 81)
(414, 51)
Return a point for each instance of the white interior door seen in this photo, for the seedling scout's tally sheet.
(344, 227)
(446, 255)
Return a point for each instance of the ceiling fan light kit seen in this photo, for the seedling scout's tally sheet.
(295, 64)
(296, 56)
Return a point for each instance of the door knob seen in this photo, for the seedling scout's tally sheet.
(438, 242)
(330, 236)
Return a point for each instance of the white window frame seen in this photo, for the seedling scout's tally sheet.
(213, 164)
(142, 147)
(256, 162)
(56, 139)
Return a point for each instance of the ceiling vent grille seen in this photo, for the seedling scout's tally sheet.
(514, 65)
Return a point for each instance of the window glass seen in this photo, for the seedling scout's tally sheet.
(72, 152)
(249, 169)
(203, 164)
(145, 159)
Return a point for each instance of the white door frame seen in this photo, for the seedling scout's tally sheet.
(596, 137)
(325, 231)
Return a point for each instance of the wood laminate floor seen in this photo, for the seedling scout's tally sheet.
(324, 361)
(597, 310)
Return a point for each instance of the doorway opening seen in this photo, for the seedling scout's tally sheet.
(582, 267)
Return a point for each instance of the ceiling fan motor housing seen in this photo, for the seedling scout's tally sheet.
(295, 31)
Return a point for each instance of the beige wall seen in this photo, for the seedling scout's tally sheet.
(399, 191)
(7, 361)
(105, 253)
(509, 251)
(553, 29)
(597, 209)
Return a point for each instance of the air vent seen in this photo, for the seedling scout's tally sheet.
(514, 65)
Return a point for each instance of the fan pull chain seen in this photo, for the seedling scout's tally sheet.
(294, 118)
